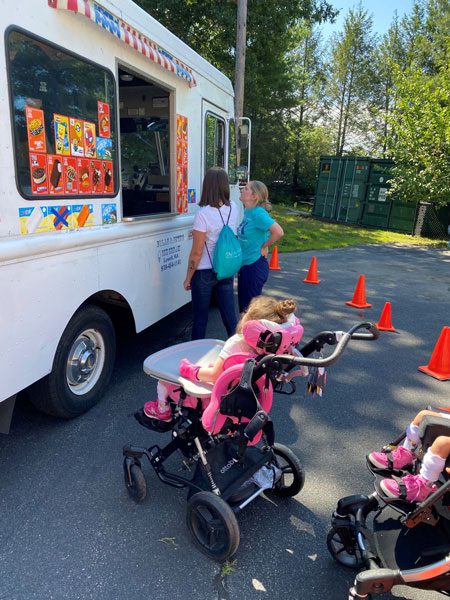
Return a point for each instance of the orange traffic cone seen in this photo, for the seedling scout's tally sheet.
(359, 297)
(312, 273)
(273, 264)
(385, 322)
(439, 365)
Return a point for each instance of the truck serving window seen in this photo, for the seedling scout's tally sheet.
(214, 141)
(63, 110)
(144, 111)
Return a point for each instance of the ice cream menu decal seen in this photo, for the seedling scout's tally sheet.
(182, 164)
(82, 162)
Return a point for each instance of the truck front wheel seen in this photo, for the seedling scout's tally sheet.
(82, 366)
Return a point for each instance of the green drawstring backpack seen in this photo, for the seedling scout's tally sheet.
(227, 259)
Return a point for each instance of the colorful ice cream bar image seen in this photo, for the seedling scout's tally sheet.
(59, 216)
(108, 177)
(90, 145)
(109, 214)
(76, 137)
(38, 174)
(35, 129)
(104, 125)
(61, 124)
(54, 174)
(82, 215)
(33, 219)
(70, 175)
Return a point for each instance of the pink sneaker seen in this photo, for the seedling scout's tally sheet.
(151, 410)
(416, 488)
(399, 458)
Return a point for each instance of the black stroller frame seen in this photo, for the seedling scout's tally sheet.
(405, 543)
(228, 473)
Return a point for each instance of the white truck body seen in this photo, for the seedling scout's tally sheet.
(128, 243)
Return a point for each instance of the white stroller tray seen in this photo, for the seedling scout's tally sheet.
(164, 364)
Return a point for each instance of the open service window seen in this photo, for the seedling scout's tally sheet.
(144, 145)
(64, 122)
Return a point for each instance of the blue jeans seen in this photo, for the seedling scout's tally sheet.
(203, 283)
(251, 280)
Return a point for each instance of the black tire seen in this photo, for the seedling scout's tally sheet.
(137, 487)
(293, 475)
(213, 526)
(82, 366)
(350, 556)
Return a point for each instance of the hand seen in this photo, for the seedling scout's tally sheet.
(189, 370)
(264, 251)
(187, 284)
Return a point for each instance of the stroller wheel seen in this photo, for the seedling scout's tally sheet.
(344, 551)
(293, 476)
(213, 525)
(135, 481)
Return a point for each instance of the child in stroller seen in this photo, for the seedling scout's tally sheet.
(413, 487)
(262, 308)
(407, 540)
(222, 430)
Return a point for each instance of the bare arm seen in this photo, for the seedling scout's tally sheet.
(276, 232)
(198, 243)
(211, 373)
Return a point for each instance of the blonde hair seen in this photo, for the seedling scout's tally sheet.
(265, 307)
(259, 189)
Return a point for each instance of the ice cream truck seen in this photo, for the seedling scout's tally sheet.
(109, 123)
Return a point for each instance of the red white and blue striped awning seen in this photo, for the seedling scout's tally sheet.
(127, 34)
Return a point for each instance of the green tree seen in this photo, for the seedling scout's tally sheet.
(386, 55)
(271, 85)
(419, 141)
(310, 77)
(351, 75)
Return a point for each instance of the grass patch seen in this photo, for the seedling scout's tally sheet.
(228, 567)
(303, 233)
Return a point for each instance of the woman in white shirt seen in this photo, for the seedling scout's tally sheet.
(215, 210)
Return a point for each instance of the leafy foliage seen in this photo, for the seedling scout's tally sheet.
(420, 144)
(272, 64)
(385, 97)
(420, 138)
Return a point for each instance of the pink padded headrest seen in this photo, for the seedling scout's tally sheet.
(267, 337)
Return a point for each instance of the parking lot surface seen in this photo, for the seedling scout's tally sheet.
(70, 532)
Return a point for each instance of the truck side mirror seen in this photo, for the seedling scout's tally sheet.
(243, 136)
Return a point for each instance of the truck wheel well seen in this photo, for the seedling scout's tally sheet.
(117, 308)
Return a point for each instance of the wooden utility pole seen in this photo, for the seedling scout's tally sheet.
(239, 73)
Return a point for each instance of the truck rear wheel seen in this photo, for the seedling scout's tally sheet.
(82, 366)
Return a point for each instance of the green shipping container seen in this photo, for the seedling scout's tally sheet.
(340, 188)
(352, 192)
(355, 190)
(378, 204)
(403, 216)
(330, 170)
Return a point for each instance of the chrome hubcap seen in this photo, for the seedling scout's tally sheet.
(85, 361)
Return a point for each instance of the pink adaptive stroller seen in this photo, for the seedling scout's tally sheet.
(223, 430)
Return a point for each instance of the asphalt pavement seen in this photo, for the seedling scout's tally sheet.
(69, 531)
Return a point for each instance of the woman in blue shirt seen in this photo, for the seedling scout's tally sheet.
(256, 233)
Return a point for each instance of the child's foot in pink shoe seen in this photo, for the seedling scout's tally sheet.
(412, 488)
(151, 410)
(397, 459)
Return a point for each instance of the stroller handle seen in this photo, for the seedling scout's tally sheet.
(338, 338)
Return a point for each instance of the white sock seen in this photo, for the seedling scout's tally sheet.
(161, 389)
(432, 466)
(412, 437)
